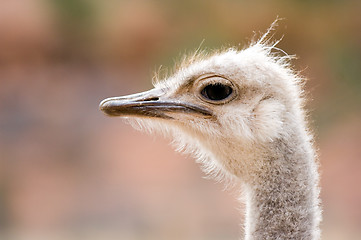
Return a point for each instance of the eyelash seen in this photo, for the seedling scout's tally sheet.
(215, 89)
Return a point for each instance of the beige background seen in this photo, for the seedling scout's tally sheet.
(68, 172)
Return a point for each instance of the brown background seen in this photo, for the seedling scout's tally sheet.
(68, 172)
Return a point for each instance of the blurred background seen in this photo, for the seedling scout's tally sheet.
(68, 172)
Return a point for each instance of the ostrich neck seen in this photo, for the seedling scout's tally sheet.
(282, 197)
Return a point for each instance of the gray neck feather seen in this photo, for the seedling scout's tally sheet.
(282, 201)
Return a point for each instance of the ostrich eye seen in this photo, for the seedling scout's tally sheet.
(216, 92)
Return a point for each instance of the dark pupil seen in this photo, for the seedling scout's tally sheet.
(216, 92)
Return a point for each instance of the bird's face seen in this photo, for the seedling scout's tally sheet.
(197, 105)
(226, 101)
(236, 94)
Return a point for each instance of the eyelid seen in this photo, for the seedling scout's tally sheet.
(210, 75)
(207, 79)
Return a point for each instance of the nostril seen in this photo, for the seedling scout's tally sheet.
(151, 99)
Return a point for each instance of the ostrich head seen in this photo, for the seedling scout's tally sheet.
(227, 108)
(240, 113)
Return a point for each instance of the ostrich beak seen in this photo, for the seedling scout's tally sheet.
(152, 103)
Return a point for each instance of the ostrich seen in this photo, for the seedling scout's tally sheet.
(240, 112)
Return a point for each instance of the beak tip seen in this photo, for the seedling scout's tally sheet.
(102, 104)
(105, 107)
